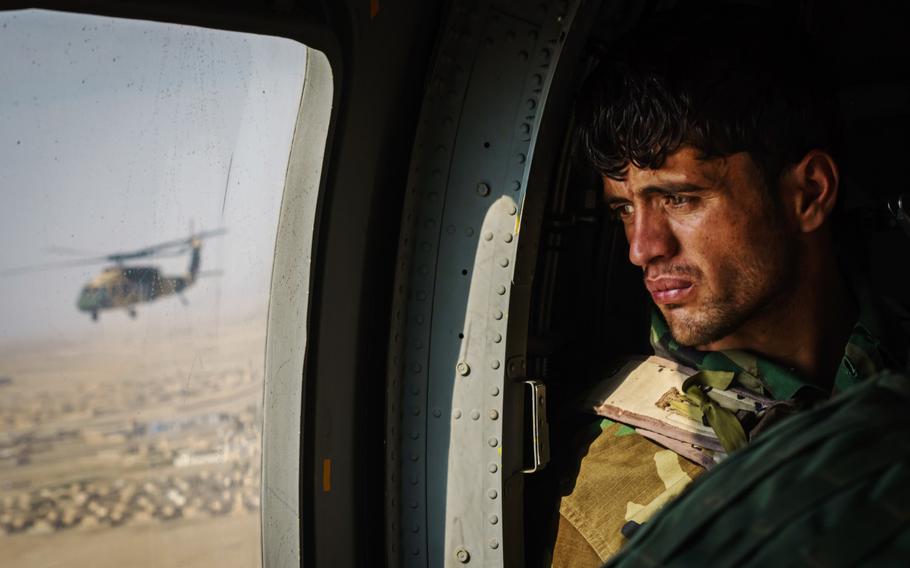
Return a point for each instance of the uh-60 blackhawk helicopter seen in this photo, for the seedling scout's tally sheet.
(124, 286)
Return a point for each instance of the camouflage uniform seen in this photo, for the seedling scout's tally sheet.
(625, 477)
(829, 487)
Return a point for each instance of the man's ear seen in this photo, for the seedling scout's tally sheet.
(813, 184)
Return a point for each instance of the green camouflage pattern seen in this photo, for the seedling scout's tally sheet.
(623, 477)
(879, 340)
(829, 487)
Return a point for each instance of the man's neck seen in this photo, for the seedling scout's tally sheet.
(805, 331)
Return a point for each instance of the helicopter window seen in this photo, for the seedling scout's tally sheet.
(142, 177)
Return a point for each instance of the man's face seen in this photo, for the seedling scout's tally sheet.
(714, 250)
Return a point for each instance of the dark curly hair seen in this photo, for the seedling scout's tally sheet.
(722, 83)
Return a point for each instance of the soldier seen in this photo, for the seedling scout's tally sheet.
(715, 138)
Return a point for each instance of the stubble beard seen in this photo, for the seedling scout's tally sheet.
(751, 288)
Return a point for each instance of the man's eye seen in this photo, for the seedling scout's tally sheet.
(622, 212)
(674, 200)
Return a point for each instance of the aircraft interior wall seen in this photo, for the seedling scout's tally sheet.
(461, 250)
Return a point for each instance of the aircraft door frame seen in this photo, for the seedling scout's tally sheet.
(484, 157)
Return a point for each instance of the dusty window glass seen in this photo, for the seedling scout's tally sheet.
(142, 167)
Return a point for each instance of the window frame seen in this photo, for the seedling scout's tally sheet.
(378, 54)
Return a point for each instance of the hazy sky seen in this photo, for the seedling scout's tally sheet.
(117, 134)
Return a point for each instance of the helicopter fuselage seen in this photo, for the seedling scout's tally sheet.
(125, 286)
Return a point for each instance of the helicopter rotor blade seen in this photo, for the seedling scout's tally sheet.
(57, 249)
(176, 247)
(51, 266)
(153, 250)
(209, 273)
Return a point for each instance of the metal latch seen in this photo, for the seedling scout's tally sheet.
(540, 430)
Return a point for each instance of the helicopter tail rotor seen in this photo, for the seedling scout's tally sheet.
(195, 259)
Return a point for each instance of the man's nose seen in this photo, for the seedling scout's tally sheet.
(650, 239)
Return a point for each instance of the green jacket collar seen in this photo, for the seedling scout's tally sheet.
(876, 342)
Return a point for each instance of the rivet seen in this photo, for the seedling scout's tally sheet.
(483, 189)
(415, 435)
(497, 338)
(538, 79)
(516, 185)
(504, 262)
(415, 552)
(463, 368)
(437, 413)
(415, 457)
(501, 290)
(525, 128)
(462, 555)
(493, 494)
(417, 368)
(488, 236)
(520, 158)
(494, 468)
(494, 414)
(507, 237)
(494, 519)
(419, 319)
(494, 391)
(497, 315)
(545, 52)
(531, 104)
(469, 232)
(415, 529)
(475, 415)
(456, 414)
(494, 544)
(415, 411)
(493, 442)
(413, 504)
(415, 390)
(494, 364)
(513, 210)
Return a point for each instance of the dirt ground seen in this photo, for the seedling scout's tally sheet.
(133, 450)
(225, 542)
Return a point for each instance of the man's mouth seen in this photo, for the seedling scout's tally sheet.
(669, 290)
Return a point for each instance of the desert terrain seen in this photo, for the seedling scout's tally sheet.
(132, 449)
